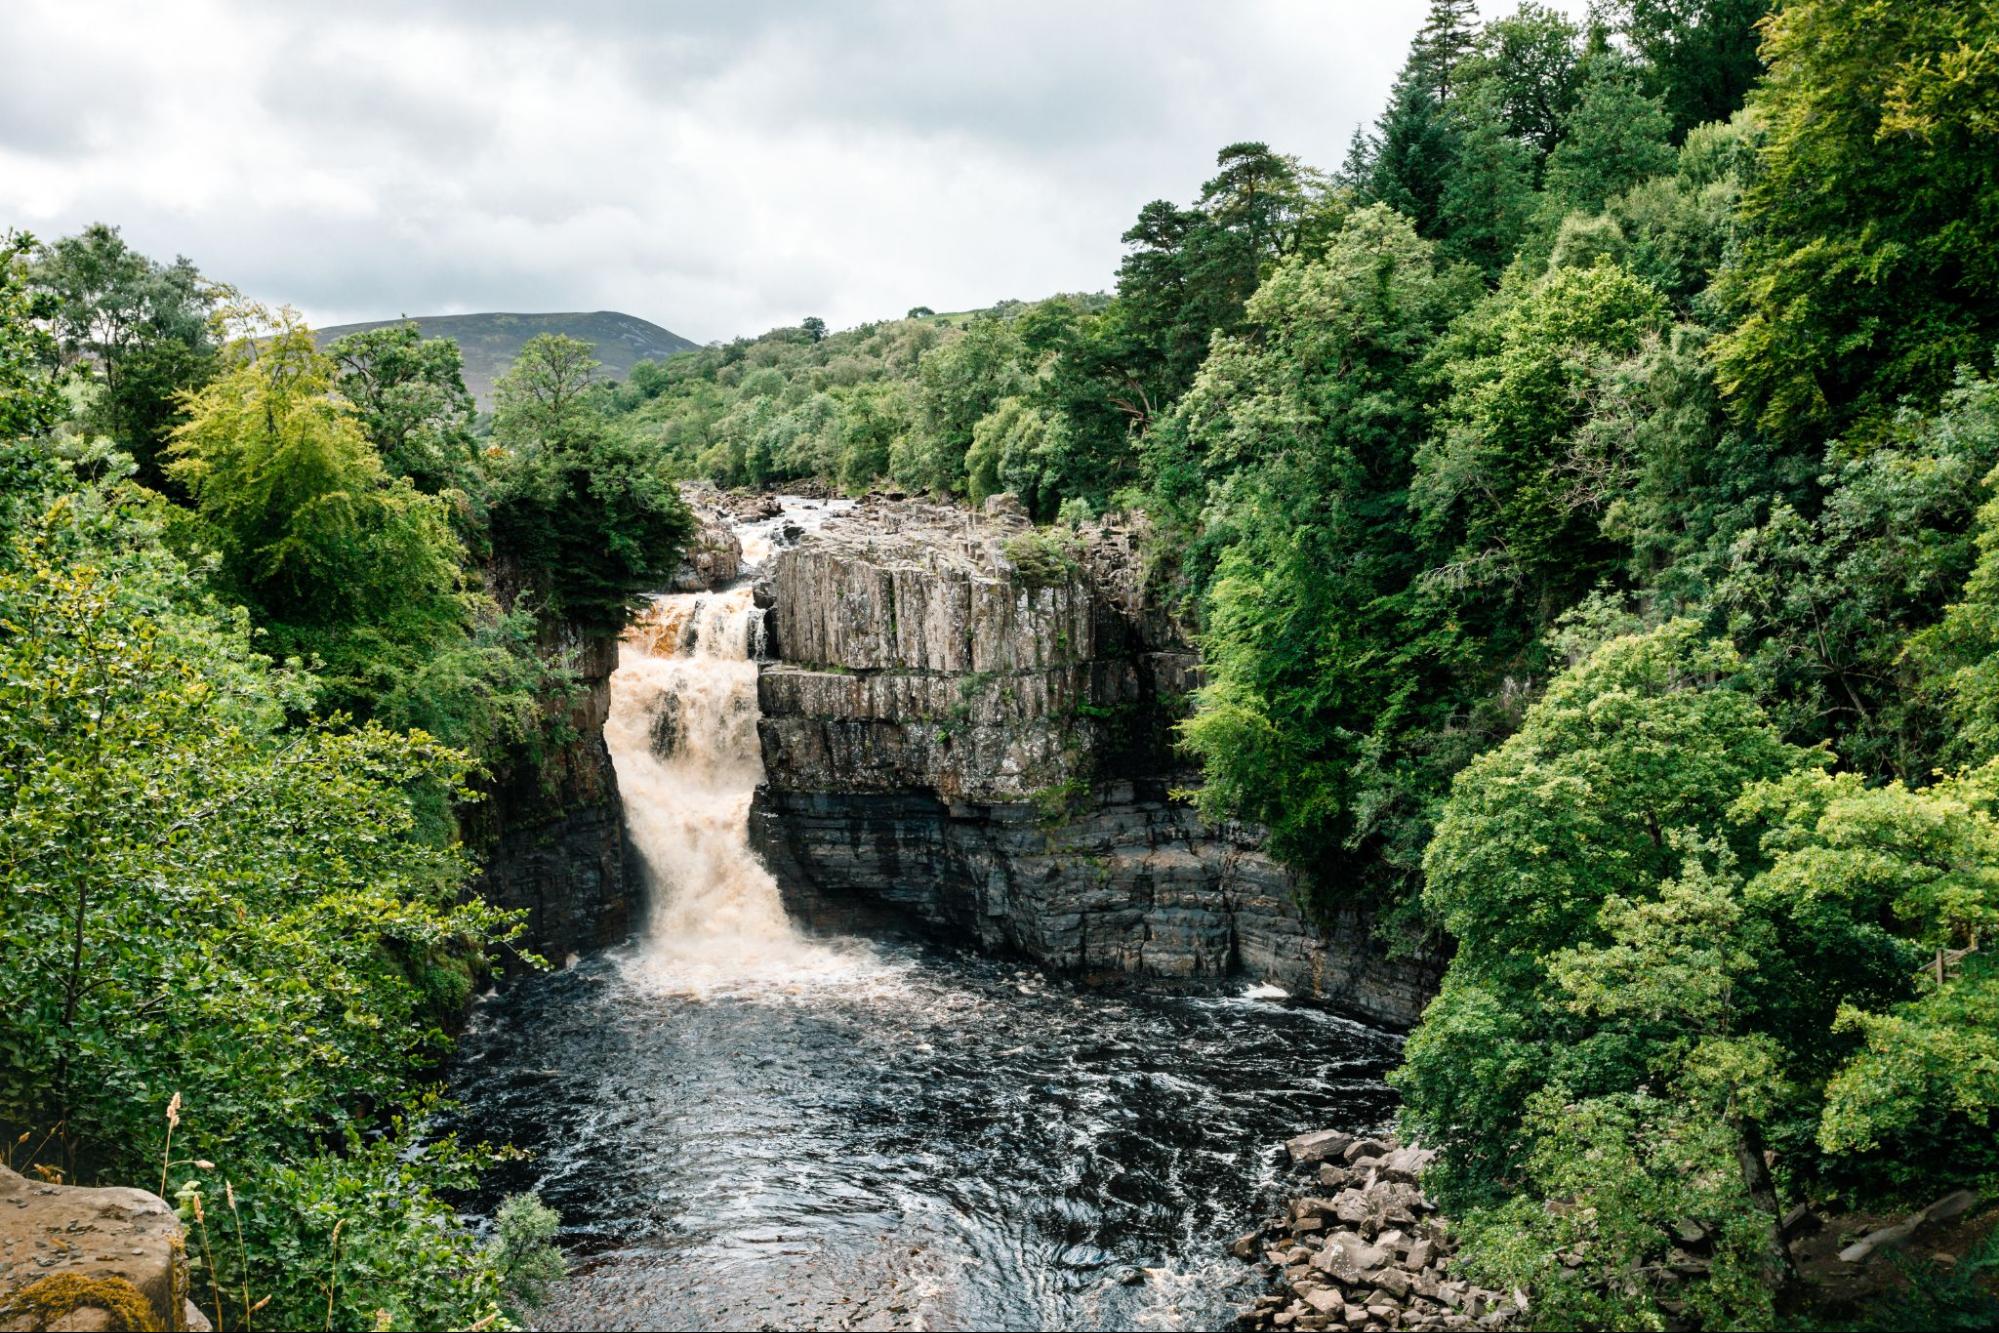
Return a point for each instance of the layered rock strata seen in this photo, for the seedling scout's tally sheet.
(966, 723)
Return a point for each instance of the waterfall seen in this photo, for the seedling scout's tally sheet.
(683, 735)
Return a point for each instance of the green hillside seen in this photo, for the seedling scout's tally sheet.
(490, 342)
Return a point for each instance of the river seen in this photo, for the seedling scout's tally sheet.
(746, 1128)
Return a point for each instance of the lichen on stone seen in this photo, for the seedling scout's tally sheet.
(56, 1297)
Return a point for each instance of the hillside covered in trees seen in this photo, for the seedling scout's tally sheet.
(1586, 496)
(270, 620)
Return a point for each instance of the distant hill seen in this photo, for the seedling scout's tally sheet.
(491, 342)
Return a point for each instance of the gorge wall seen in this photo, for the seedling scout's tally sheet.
(965, 724)
(551, 831)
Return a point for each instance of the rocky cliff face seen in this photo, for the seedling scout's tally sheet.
(964, 724)
(551, 831)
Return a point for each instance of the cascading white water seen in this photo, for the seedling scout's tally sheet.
(683, 734)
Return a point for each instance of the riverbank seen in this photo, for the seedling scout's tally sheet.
(1358, 1246)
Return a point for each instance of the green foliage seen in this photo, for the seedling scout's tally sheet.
(138, 329)
(1043, 558)
(334, 1237)
(343, 564)
(1295, 447)
(1698, 56)
(591, 516)
(1529, 64)
(524, 1249)
(1614, 139)
(1826, 607)
(1618, 1165)
(1497, 485)
(409, 395)
(1884, 894)
(196, 898)
(29, 400)
(1867, 268)
(1645, 744)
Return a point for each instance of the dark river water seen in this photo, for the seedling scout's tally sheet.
(923, 1141)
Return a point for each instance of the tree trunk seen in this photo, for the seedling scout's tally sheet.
(1763, 1192)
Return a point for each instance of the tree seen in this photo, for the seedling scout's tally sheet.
(194, 899)
(337, 558)
(1613, 139)
(1529, 65)
(1884, 896)
(1292, 452)
(1868, 269)
(409, 394)
(1827, 608)
(140, 329)
(1448, 35)
(1411, 155)
(956, 385)
(30, 400)
(1646, 744)
(815, 328)
(1698, 56)
(1187, 273)
(1488, 194)
(591, 515)
(1493, 490)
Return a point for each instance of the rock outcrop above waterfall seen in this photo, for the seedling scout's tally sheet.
(714, 555)
(966, 722)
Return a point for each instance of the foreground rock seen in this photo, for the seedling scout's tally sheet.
(967, 723)
(1362, 1248)
(75, 1258)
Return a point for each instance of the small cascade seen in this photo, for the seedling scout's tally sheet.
(683, 734)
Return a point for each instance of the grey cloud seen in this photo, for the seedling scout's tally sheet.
(716, 168)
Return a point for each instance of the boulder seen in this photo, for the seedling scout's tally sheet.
(1363, 1149)
(1322, 1146)
(1325, 1300)
(78, 1258)
(1349, 1259)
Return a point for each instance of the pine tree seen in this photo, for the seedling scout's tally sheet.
(1445, 38)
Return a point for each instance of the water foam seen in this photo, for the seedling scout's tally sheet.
(682, 733)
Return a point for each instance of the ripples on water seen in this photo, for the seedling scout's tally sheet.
(921, 1141)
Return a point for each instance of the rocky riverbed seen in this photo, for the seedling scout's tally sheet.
(1361, 1247)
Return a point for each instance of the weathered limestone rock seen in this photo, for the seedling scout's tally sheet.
(73, 1258)
(714, 556)
(967, 725)
(1310, 1149)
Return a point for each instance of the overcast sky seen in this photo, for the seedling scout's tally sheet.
(718, 168)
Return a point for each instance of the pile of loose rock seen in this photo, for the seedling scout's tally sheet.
(1365, 1249)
